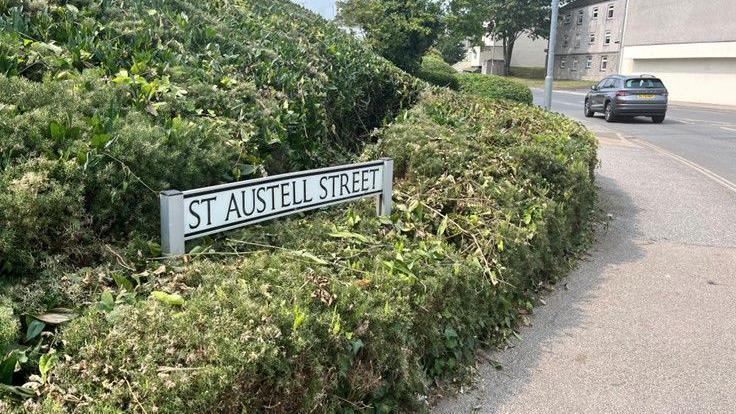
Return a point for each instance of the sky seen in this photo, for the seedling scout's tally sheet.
(324, 7)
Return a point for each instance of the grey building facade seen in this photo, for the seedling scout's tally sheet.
(589, 37)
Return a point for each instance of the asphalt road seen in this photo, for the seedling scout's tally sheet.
(705, 136)
(646, 323)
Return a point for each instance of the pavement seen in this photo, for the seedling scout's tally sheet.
(647, 322)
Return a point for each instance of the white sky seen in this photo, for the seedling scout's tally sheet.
(324, 7)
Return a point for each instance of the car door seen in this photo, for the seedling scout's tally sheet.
(597, 98)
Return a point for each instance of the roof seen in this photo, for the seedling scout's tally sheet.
(576, 4)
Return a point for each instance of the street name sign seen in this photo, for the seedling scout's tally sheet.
(187, 215)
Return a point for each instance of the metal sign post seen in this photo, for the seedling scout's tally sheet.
(187, 215)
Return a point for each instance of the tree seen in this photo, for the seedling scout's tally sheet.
(400, 30)
(502, 20)
(509, 19)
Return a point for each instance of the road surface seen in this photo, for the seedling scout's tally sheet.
(705, 136)
(647, 323)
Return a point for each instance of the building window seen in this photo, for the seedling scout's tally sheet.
(567, 19)
(562, 63)
(577, 40)
(580, 16)
(595, 12)
(566, 41)
(575, 64)
(591, 40)
(611, 7)
(608, 38)
(589, 62)
(604, 63)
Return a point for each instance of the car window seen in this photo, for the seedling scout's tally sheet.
(601, 83)
(610, 83)
(647, 83)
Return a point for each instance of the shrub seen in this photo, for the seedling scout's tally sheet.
(437, 72)
(348, 312)
(103, 104)
(528, 72)
(495, 87)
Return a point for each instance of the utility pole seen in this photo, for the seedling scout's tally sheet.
(551, 55)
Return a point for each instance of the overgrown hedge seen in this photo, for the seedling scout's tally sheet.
(345, 312)
(105, 103)
(495, 87)
(438, 72)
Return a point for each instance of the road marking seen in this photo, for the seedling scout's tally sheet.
(706, 172)
(729, 129)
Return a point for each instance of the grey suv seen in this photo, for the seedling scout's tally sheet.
(619, 96)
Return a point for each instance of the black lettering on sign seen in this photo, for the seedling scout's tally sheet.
(209, 208)
(323, 194)
(194, 213)
(344, 178)
(304, 194)
(252, 203)
(356, 181)
(273, 188)
(232, 207)
(261, 200)
(374, 171)
(285, 195)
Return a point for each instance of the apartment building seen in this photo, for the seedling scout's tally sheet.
(588, 43)
(488, 57)
(690, 45)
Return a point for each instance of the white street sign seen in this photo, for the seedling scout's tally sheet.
(187, 215)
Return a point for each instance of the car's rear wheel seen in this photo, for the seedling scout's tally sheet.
(658, 119)
(610, 115)
(588, 112)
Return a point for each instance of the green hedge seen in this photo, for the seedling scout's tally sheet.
(103, 104)
(437, 72)
(495, 87)
(528, 72)
(344, 312)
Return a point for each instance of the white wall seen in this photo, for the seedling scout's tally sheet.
(529, 53)
(694, 72)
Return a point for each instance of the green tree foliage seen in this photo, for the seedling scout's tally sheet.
(451, 47)
(438, 72)
(503, 20)
(400, 30)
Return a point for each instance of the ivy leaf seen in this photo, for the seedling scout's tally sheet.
(46, 363)
(34, 329)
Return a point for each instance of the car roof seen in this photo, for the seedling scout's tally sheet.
(626, 77)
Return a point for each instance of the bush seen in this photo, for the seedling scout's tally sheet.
(495, 87)
(348, 312)
(528, 72)
(103, 104)
(437, 72)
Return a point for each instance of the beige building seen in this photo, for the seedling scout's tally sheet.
(588, 40)
(690, 45)
(488, 58)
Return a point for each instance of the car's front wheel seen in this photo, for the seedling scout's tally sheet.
(658, 119)
(610, 115)
(588, 112)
